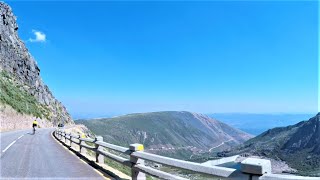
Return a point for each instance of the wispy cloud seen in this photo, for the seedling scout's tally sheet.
(39, 36)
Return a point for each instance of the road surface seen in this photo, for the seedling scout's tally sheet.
(219, 145)
(24, 155)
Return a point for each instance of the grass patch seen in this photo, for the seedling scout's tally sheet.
(124, 169)
(12, 94)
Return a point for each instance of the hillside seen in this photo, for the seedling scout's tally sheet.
(23, 95)
(171, 133)
(298, 145)
(256, 124)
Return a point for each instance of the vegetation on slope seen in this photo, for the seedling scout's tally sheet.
(12, 93)
(298, 145)
(172, 133)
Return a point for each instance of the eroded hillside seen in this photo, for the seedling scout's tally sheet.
(178, 134)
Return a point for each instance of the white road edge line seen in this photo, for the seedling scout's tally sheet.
(20, 136)
(11, 144)
(8, 146)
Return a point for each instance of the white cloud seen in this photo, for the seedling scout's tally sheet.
(39, 36)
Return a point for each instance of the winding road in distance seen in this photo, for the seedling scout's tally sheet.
(219, 145)
(24, 155)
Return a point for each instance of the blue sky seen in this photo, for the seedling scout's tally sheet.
(106, 58)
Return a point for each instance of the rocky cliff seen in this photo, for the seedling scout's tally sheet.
(21, 85)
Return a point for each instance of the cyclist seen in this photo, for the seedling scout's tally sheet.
(34, 125)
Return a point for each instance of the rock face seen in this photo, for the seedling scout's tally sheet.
(16, 60)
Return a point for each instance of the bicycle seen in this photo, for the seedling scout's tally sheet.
(34, 125)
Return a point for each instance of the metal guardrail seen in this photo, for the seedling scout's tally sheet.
(251, 168)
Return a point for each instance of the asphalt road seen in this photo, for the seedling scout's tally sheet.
(40, 156)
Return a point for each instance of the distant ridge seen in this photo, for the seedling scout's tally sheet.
(257, 123)
(174, 133)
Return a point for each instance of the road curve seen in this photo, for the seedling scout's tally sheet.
(219, 145)
(40, 156)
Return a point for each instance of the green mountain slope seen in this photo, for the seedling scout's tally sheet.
(171, 133)
(298, 145)
(18, 99)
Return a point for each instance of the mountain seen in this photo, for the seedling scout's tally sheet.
(23, 95)
(258, 123)
(177, 134)
(298, 145)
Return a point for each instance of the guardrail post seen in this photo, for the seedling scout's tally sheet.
(256, 166)
(78, 138)
(136, 175)
(83, 150)
(58, 134)
(69, 140)
(99, 157)
(65, 137)
(62, 136)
